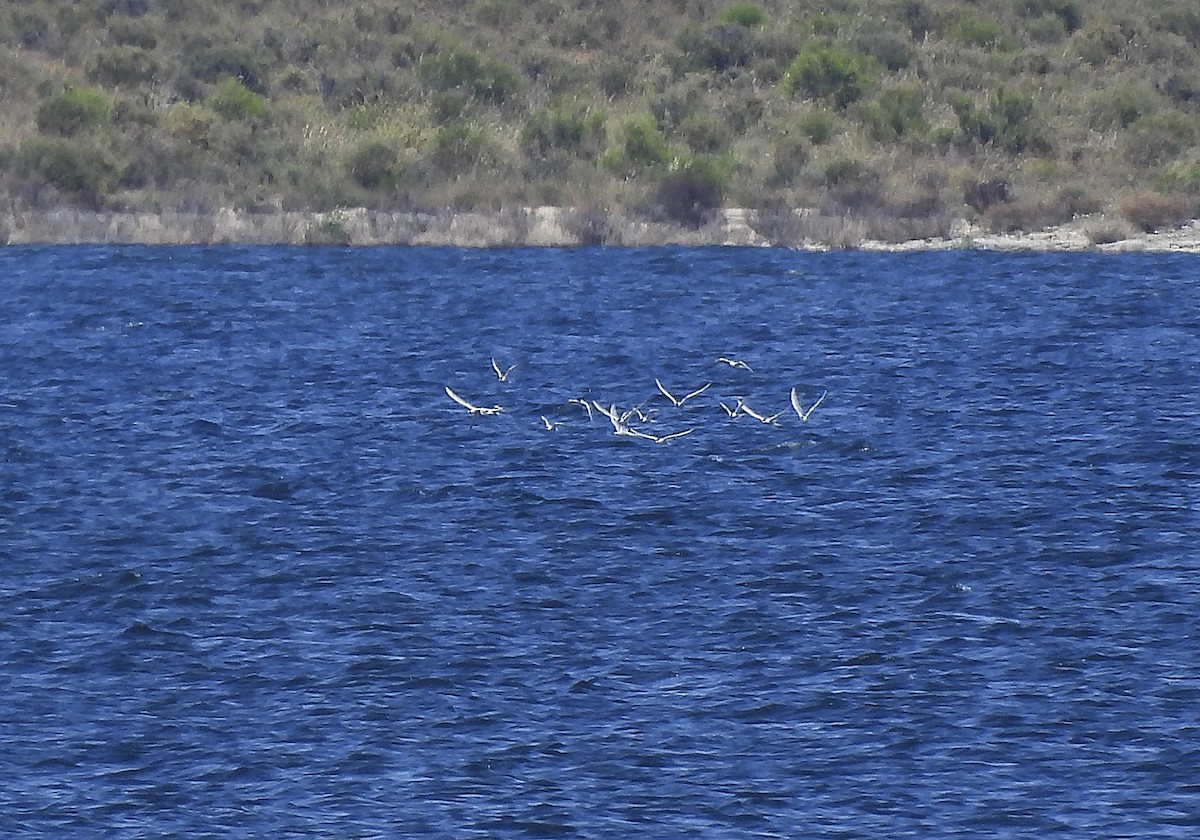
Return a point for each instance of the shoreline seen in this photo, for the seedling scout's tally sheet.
(553, 227)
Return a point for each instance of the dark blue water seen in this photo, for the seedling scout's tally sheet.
(263, 578)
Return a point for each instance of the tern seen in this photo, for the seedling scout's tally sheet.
(678, 403)
(473, 409)
(736, 363)
(735, 411)
(550, 427)
(586, 405)
(665, 438)
(502, 375)
(749, 412)
(800, 409)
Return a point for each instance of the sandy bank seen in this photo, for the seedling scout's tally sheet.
(544, 227)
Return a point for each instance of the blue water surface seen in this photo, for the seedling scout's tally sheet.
(262, 577)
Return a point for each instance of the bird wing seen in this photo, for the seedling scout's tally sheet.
(796, 403)
(696, 393)
(673, 435)
(666, 393)
(460, 400)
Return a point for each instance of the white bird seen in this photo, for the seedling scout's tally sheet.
(586, 405)
(749, 412)
(665, 438)
(550, 427)
(678, 403)
(736, 363)
(735, 411)
(800, 409)
(620, 427)
(474, 409)
(502, 375)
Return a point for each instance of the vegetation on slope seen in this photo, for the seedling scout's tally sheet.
(1019, 114)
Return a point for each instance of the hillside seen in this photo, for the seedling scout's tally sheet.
(904, 115)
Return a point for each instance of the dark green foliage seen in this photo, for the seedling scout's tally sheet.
(72, 111)
(484, 79)
(832, 74)
(717, 48)
(1067, 11)
(215, 63)
(576, 132)
(123, 66)
(980, 195)
(460, 148)
(67, 165)
(981, 33)
(375, 164)
(1158, 139)
(898, 114)
(818, 127)
(790, 155)
(1006, 123)
(233, 101)
(851, 185)
(744, 14)
(690, 193)
(640, 143)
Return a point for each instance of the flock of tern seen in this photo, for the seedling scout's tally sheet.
(622, 421)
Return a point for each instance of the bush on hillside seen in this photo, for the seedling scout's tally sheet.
(221, 61)
(548, 130)
(1154, 211)
(482, 78)
(743, 14)
(831, 74)
(640, 143)
(73, 111)
(123, 67)
(691, 192)
(70, 166)
(375, 164)
(234, 101)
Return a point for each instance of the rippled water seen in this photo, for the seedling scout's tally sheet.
(263, 577)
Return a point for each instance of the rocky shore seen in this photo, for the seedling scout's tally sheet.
(552, 227)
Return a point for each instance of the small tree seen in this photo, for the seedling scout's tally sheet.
(72, 111)
(832, 74)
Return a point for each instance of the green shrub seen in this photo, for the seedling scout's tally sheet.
(72, 111)
(234, 101)
(123, 66)
(577, 132)
(689, 193)
(1066, 11)
(818, 126)
(216, 63)
(460, 148)
(1159, 138)
(832, 74)
(68, 165)
(1119, 106)
(887, 46)
(987, 34)
(375, 164)
(1006, 123)
(790, 156)
(852, 185)
(717, 49)
(897, 114)
(640, 143)
(484, 79)
(743, 14)
(980, 195)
